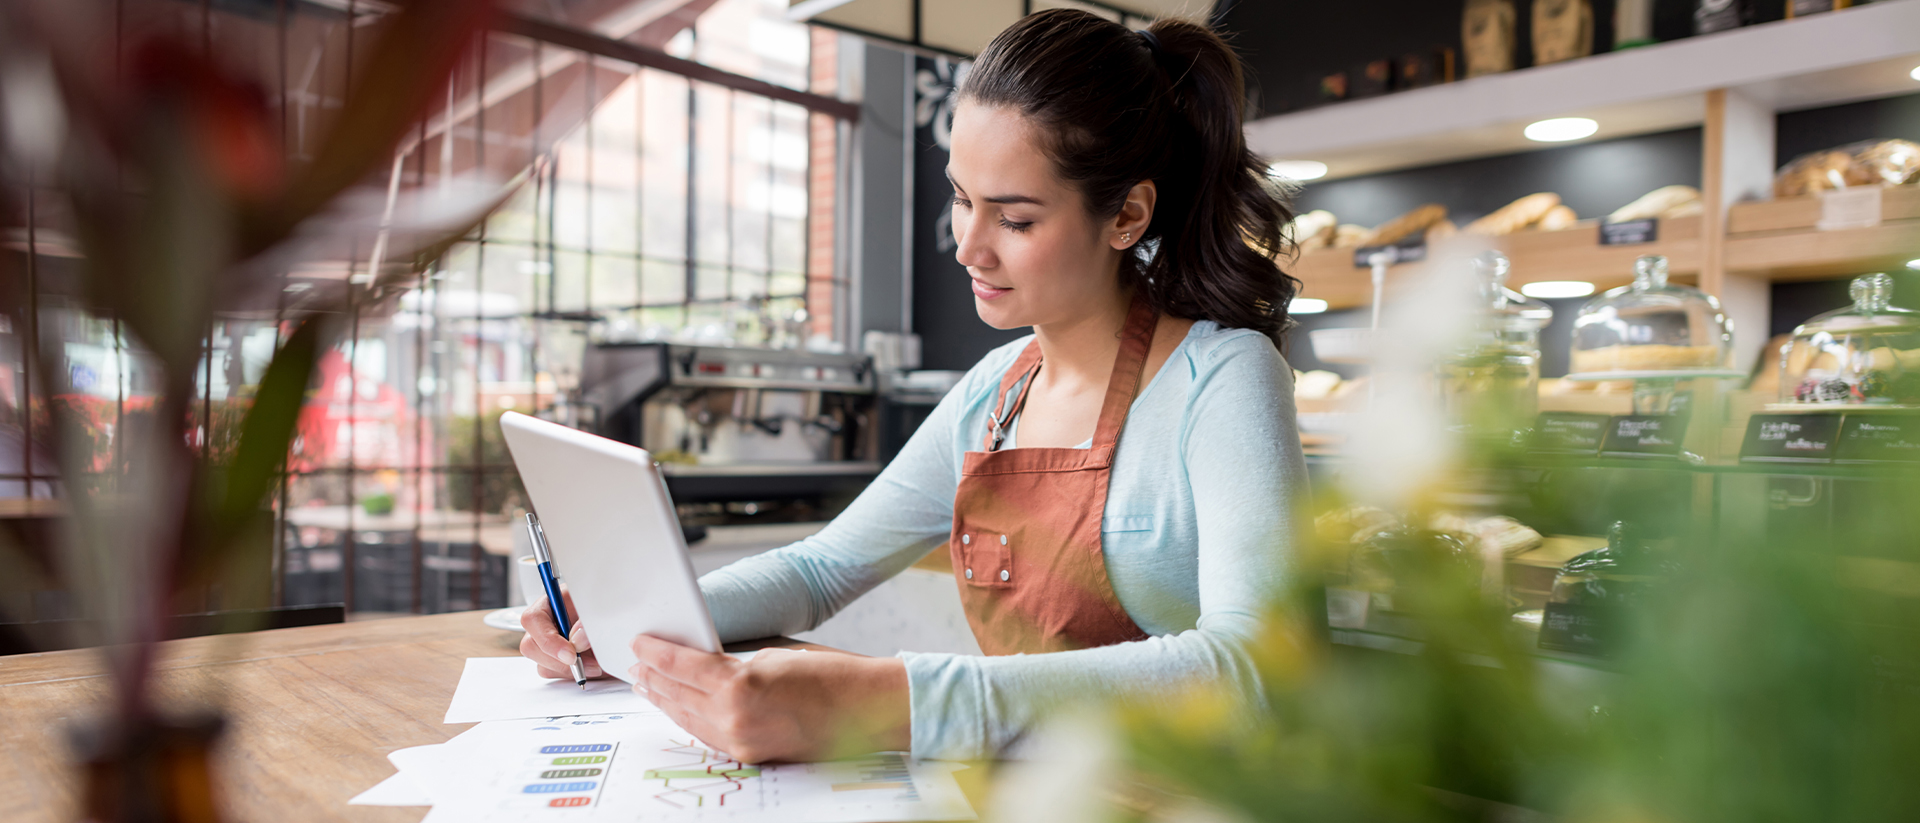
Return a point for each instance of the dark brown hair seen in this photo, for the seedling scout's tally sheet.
(1119, 107)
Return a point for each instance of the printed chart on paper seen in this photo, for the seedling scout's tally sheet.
(644, 768)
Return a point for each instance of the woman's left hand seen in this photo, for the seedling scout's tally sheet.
(780, 705)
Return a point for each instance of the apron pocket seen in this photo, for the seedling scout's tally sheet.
(986, 561)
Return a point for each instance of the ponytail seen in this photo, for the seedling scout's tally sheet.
(1165, 104)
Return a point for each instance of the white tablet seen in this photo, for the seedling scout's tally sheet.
(614, 536)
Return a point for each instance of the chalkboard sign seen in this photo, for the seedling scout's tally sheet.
(1573, 627)
(1630, 232)
(1791, 438)
(1569, 432)
(1410, 250)
(1879, 438)
(1645, 435)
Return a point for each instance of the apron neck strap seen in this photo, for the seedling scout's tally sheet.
(1136, 337)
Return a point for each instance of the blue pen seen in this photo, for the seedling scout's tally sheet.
(544, 557)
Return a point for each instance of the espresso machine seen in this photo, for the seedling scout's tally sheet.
(741, 434)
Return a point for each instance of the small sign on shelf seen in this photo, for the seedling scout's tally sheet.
(1575, 627)
(1569, 432)
(1411, 250)
(1630, 232)
(1856, 207)
(1879, 438)
(1645, 435)
(1791, 438)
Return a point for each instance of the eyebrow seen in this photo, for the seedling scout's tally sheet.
(998, 200)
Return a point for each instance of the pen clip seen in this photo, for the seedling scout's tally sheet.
(541, 553)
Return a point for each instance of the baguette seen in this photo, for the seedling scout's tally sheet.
(1406, 225)
(1441, 231)
(1666, 201)
(1514, 216)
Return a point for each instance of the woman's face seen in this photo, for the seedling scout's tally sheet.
(1036, 258)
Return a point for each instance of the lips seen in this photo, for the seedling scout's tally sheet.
(986, 292)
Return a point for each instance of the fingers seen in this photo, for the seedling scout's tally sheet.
(542, 661)
(701, 670)
(538, 621)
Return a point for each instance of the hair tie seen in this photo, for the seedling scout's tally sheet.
(1153, 43)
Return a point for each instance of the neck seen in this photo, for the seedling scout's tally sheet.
(1081, 351)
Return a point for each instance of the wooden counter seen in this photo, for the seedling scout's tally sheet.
(313, 713)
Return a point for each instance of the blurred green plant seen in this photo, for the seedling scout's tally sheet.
(184, 207)
(1777, 680)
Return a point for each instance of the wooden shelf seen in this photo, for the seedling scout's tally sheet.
(1570, 254)
(1778, 240)
(1772, 241)
(1825, 59)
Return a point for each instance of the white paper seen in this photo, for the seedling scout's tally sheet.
(511, 688)
(1849, 208)
(393, 791)
(641, 767)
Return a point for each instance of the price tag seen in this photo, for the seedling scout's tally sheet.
(1879, 438)
(1347, 608)
(1572, 627)
(1850, 208)
(1791, 438)
(1569, 432)
(1630, 232)
(1645, 435)
(1410, 250)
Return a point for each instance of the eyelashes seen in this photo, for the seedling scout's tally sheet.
(1004, 222)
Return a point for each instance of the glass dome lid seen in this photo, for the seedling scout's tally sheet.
(1651, 329)
(1503, 308)
(1864, 355)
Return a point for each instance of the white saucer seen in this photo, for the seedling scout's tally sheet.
(507, 619)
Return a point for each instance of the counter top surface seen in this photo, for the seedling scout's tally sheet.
(312, 712)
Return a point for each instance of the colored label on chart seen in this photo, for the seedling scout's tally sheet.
(569, 802)
(550, 788)
(581, 760)
(556, 774)
(577, 747)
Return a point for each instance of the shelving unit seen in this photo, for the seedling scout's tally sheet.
(1731, 84)
(1820, 60)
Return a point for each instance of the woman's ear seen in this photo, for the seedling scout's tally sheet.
(1135, 215)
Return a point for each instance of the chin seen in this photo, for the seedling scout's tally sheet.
(997, 316)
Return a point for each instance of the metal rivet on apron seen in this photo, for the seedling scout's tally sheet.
(1003, 540)
(966, 539)
(1004, 574)
(969, 574)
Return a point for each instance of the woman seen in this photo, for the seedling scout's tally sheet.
(1116, 491)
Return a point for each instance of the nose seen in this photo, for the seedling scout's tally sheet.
(971, 249)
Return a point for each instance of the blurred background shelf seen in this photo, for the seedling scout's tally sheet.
(1854, 54)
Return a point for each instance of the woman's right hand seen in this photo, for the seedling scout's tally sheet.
(548, 650)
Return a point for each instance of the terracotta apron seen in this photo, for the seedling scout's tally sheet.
(1026, 521)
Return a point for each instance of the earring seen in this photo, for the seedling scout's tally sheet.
(1126, 237)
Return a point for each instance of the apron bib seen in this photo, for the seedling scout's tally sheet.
(1026, 522)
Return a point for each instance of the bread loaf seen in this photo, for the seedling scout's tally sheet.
(1557, 218)
(1441, 231)
(1349, 236)
(1313, 230)
(1406, 225)
(1514, 216)
(1665, 201)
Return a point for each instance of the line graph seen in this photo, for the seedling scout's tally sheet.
(714, 776)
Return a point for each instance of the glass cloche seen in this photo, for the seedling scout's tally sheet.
(1865, 355)
(1491, 382)
(1651, 329)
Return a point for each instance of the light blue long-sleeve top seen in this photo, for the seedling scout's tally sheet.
(1198, 535)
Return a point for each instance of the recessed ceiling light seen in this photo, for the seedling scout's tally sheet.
(1306, 305)
(1914, 264)
(1556, 289)
(1298, 169)
(1561, 129)
(1915, 74)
